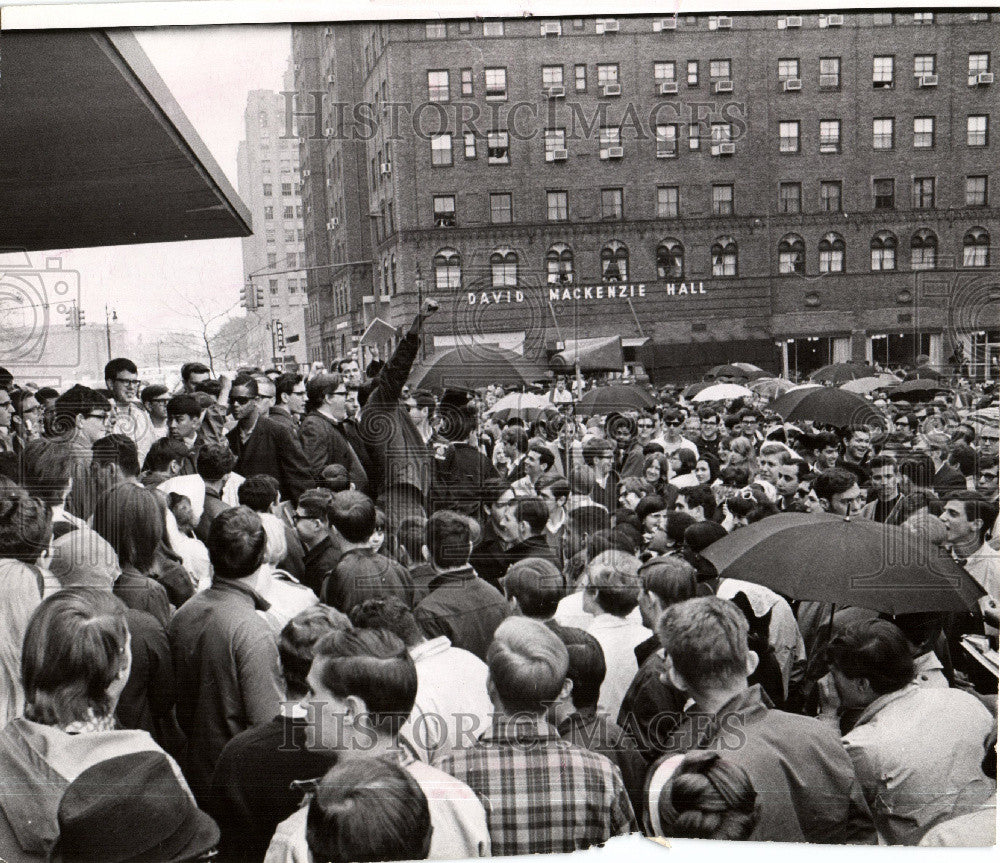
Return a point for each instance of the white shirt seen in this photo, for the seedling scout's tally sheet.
(618, 637)
(984, 566)
(452, 707)
(133, 422)
(570, 612)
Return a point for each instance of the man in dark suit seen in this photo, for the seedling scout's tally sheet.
(262, 445)
(947, 478)
(215, 463)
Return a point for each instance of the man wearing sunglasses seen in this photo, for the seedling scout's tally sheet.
(129, 418)
(672, 441)
(263, 445)
(322, 433)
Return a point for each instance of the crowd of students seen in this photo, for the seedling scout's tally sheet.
(335, 620)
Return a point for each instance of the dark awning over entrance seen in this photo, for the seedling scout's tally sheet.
(683, 363)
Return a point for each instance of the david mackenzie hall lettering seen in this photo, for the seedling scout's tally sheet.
(587, 293)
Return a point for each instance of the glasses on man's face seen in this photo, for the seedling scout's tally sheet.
(990, 476)
(127, 382)
(102, 417)
(645, 425)
(241, 400)
(673, 423)
(298, 517)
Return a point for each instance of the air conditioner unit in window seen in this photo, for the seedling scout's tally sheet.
(829, 81)
(386, 168)
(835, 20)
(664, 24)
(667, 154)
(723, 86)
(616, 152)
(984, 78)
(556, 155)
(668, 87)
(725, 149)
(556, 92)
(789, 22)
(724, 22)
(793, 84)
(330, 79)
(607, 26)
(612, 89)
(329, 182)
(328, 31)
(551, 28)
(306, 173)
(328, 131)
(927, 81)
(333, 223)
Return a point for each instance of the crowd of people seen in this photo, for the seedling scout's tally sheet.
(336, 619)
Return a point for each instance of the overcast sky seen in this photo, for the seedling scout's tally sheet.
(209, 70)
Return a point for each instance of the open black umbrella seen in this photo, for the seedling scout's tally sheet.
(840, 373)
(727, 370)
(924, 373)
(474, 366)
(827, 406)
(847, 562)
(916, 390)
(618, 397)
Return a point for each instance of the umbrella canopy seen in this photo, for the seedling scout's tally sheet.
(916, 390)
(695, 388)
(771, 387)
(592, 355)
(863, 386)
(525, 406)
(618, 397)
(728, 370)
(723, 392)
(827, 406)
(986, 422)
(840, 373)
(925, 373)
(474, 366)
(829, 558)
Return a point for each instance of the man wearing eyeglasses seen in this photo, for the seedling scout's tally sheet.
(672, 440)
(121, 376)
(322, 436)
(6, 415)
(290, 400)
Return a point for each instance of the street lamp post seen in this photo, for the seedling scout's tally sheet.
(420, 304)
(109, 316)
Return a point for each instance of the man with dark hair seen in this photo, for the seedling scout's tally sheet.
(312, 524)
(114, 461)
(166, 458)
(529, 517)
(81, 418)
(857, 455)
(534, 587)
(673, 420)
(599, 456)
(826, 451)
(121, 376)
(546, 795)
(289, 400)
(838, 491)
(252, 785)
(967, 516)
(362, 686)
(462, 472)
(489, 557)
(514, 442)
(460, 604)
(361, 573)
(225, 656)
(323, 440)
(215, 464)
(193, 374)
(261, 494)
(708, 439)
(698, 501)
(884, 470)
(154, 399)
(812, 792)
(262, 445)
(538, 463)
(184, 419)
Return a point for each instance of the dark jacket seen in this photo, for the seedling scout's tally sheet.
(142, 593)
(252, 787)
(630, 461)
(283, 416)
(318, 562)
(651, 709)
(274, 450)
(168, 570)
(400, 455)
(533, 546)
(226, 667)
(362, 574)
(462, 474)
(294, 560)
(323, 443)
(214, 504)
(147, 701)
(465, 608)
(489, 557)
(947, 480)
(351, 431)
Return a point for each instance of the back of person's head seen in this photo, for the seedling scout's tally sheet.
(734, 476)
(918, 468)
(527, 663)
(410, 537)
(48, 470)
(391, 614)
(706, 639)
(353, 514)
(259, 492)
(708, 797)
(587, 667)
(25, 524)
(537, 585)
(215, 462)
(615, 590)
(298, 638)
(670, 579)
(533, 511)
(594, 448)
(373, 665)
(920, 628)
(449, 539)
(702, 534)
(82, 558)
(210, 387)
(700, 495)
(118, 450)
(130, 517)
(236, 543)
(875, 650)
(285, 384)
(964, 458)
(834, 481)
(367, 810)
(163, 452)
(183, 404)
(677, 524)
(74, 648)
(581, 479)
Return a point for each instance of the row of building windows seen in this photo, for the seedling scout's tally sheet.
(723, 258)
(292, 260)
(668, 140)
(723, 200)
(555, 27)
(287, 212)
(287, 189)
(292, 235)
(495, 83)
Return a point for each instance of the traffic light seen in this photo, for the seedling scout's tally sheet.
(279, 336)
(244, 300)
(260, 296)
(80, 322)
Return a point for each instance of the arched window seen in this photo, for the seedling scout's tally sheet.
(923, 250)
(614, 262)
(831, 254)
(447, 269)
(791, 255)
(503, 265)
(670, 259)
(883, 251)
(724, 257)
(976, 248)
(559, 264)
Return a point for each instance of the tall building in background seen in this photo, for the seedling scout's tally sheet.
(789, 190)
(270, 183)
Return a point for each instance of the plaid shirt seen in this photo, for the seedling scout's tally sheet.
(542, 794)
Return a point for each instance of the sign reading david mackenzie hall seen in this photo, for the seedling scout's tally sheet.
(589, 293)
